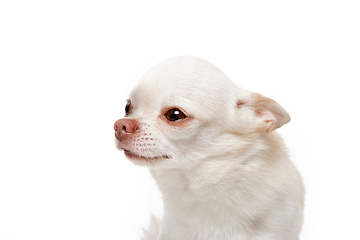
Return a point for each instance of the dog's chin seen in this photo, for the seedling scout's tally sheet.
(141, 159)
(144, 160)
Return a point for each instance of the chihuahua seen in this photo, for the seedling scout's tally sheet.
(213, 151)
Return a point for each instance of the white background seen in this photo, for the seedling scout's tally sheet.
(66, 68)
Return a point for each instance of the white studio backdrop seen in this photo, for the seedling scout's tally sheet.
(66, 68)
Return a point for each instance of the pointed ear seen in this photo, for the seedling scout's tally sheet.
(269, 114)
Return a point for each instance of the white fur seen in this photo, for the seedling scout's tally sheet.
(228, 175)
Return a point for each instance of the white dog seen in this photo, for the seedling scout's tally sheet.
(211, 147)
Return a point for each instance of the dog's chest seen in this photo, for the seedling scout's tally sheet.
(211, 206)
(204, 200)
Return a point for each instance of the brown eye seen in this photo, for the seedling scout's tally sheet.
(175, 115)
(128, 107)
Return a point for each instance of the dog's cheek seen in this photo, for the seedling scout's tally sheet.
(193, 144)
(178, 131)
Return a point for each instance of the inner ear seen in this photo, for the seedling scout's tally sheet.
(269, 114)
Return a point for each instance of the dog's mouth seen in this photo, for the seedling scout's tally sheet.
(135, 156)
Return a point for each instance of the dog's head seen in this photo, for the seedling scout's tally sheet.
(185, 110)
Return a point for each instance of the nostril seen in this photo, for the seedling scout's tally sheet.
(125, 126)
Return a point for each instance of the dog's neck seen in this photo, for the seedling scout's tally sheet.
(216, 180)
(225, 197)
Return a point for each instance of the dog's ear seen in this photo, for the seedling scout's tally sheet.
(269, 114)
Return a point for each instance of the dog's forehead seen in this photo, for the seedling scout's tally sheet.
(188, 82)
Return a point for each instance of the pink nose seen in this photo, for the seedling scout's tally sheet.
(124, 128)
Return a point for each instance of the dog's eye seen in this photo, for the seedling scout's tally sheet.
(128, 108)
(175, 115)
